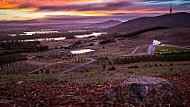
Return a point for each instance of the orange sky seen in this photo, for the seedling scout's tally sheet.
(34, 9)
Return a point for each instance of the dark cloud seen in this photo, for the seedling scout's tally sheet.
(90, 19)
(90, 7)
(134, 5)
(26, 5)
(183, 6)
(158, 0)
(66, 19)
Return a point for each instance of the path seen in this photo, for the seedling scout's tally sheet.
(151, 49)
(132, 53)
(82, 65)
(135, 50)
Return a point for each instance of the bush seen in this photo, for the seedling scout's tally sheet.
(133, 67)
(7, 59)
(112, 68)
(104, 66)
(36, 72)
(47, 71)
(107, 41)
(165, 57)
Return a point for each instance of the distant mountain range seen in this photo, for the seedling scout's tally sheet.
(33, 25)
(105, 24)
(176, 20)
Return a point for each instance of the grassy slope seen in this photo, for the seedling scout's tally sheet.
(141, 31)
(170, 49)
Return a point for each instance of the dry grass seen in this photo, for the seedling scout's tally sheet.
(103, 76)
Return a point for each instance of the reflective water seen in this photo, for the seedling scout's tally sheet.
(43, 39)
(90, 35)
(81, 51)
(38, 32)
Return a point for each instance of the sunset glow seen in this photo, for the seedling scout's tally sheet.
(35, 9)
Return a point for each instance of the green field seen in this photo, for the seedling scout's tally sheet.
(170, 49)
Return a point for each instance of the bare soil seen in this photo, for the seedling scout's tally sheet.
(63, 93)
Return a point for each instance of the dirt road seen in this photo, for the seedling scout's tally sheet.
(82, 65)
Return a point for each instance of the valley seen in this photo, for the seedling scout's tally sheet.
(78, 66)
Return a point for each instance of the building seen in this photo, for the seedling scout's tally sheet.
(155, 42)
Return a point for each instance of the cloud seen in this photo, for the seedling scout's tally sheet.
(183, 6)
(156, 1)
(108, 8)
(89, 7)
(67, 19)
(26, 5)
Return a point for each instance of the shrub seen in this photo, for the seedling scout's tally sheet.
(47, 71)
(133, 67)
(112, 68)
(36, 72)
(7, 59)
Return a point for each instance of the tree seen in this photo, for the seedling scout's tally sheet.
(47, 71)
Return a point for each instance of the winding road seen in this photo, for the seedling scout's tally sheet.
(82, 65)
(149, 51)
(132, 53)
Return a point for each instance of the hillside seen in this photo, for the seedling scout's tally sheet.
(106, 24)
(173, 36)
(168, 20)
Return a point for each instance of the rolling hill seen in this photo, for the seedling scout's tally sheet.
(177, 20)
(106, 24)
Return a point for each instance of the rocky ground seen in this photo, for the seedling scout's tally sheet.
(70, 94)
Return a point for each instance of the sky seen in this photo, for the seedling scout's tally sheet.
(86, 10)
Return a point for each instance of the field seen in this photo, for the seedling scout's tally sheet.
(88, 88)
(170, 49)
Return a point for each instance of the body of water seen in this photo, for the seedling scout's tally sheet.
(38, 32)
(90, 35)
(81, 51)
(44, 39)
